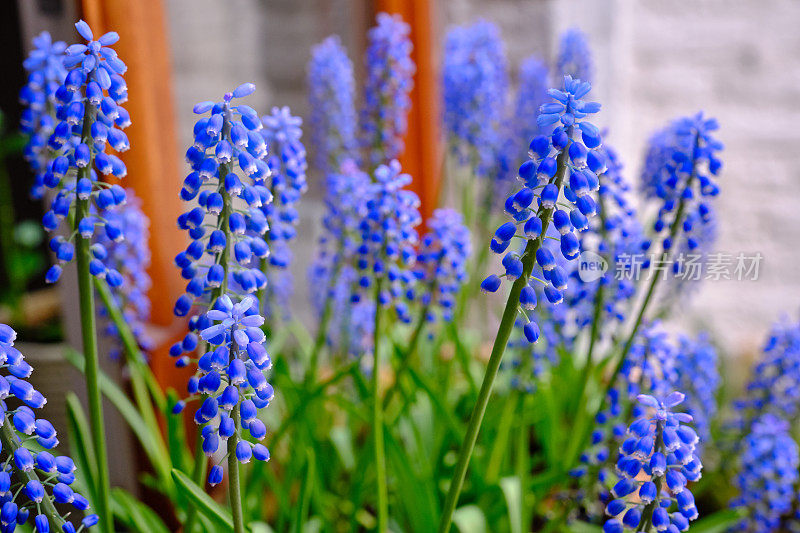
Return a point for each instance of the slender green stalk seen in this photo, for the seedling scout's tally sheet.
(498, 349)
(377, 419)
(89, 339)
(138, 370)
(523, 463)
(11, 444)
(646, 302)
(324, 322)
(597, 314)
(646, 522)
(411, 349)
(234, 485)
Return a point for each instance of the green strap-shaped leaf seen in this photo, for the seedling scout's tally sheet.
(202, 501)
(80, 443)
(152, 445)
(134, 514)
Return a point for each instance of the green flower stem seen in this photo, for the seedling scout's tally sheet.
(498, 349)
(523, 461)
(646, 522)
(11, 444)
(234, 485)
(89, 338)
(596, 315)
(135, 361)
(665, 254)
(377, 419)
(324, 322)
(412, 345)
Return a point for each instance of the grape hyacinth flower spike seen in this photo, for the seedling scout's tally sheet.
(91, 118)
(287, 164)
(387, 88)
(475, 85)
(565, 163)
(32, 479)
(385, 260)
(331, 93)
(773, 384)
(656, 462)
(441, 263)
(680, 172)
(767, 476)
(575, 56)
(131, 259)
(46, 72)
(334, 268)
(680, 176)
(227, 228)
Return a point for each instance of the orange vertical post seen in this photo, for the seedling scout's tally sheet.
(423, 153)
(153, 163)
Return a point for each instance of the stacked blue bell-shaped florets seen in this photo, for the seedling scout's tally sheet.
(388, 235)
(680, 172)
(228, 161)
(32, 479)
(441, 266)
(229, 169)
(287, 163)
(657, 460)
(91, 119)
(565, 163)
(231, 380)
(46, 73)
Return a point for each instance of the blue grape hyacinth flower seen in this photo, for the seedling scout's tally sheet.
(533, 83)
(475, 88)
(575, 56)
(388, 235)
(680, 171)
(774, 386)
(334, 267)
(657, 460)
(91, 119)
(287, 164)
(129, 259)
(228, 162)
(387, 87)
(767, 476)
(230, 380)
(32, 478)
(562, 164)
(331, 94)
(46, 73)
(697, 369)
(441, 266)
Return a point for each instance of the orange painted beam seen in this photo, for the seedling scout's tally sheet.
(154, 170)
(423, 154)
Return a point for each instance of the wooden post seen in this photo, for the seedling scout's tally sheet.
(154, 171)
(423, 154)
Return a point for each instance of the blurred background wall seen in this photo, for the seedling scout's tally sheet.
(738, 60)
